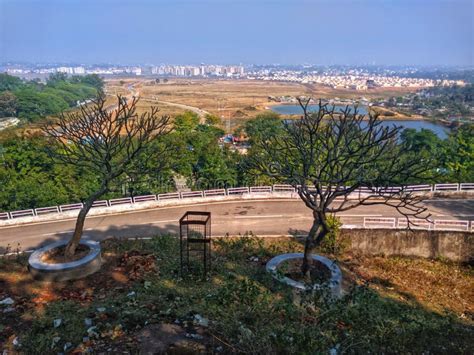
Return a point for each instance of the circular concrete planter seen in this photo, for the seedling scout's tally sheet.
(65, 271)
(334, 283)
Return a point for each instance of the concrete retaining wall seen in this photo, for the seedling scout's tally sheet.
(456, 246)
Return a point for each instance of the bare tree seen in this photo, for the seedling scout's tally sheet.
(105, 141)
(329, 156)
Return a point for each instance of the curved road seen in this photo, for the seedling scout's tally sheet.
(201, 113)
(135, 92)
(262, 217)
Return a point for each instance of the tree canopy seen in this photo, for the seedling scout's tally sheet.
(32, 100)
(196, 154)
(105, 142)
(329, 155)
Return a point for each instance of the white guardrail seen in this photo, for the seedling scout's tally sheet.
(423, 224)
(369, 222)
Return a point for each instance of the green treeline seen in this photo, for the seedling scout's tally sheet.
(453, 157)
(32, 100)
(30, 179)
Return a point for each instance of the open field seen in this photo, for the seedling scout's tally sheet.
(232, 100)
(392, 304)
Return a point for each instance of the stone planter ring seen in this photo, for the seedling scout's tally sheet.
(334, 284)
(65, 271)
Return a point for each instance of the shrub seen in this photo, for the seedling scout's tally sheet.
(333, 243)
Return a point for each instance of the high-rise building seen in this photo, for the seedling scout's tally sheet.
(79, 70)
(67, 70)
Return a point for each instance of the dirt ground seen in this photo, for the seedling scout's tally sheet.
(437, 286)
(232, 100)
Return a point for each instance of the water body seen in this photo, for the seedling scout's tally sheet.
(440, 130)
(297, 110)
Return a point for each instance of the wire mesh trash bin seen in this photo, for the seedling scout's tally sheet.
(195, 240)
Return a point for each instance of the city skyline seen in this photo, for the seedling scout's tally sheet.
(263, 32)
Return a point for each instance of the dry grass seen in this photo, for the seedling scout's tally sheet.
(438, 285)
(392, 292)
(234, 100)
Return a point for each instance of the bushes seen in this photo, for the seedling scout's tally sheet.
(333, 243)
(247, 309)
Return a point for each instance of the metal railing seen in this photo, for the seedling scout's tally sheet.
(370, 222)
(419, 224)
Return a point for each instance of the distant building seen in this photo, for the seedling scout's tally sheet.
(67, 70)
(370, 83)
(79, 70)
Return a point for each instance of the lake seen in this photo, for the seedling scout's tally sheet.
(297, 110)
(440, 130)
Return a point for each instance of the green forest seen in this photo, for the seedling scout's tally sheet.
(33, 100)
(29, 178)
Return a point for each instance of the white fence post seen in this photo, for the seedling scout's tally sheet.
(121, 201)
(417, 223)
(169, 196)
(22, 213)
(215, 192)
(261, 189)
(238, 191)
(144, 198)
(191, 194)
(466, 186)
(283, 188)
(369, 222)
(447, 187)
(100, 203)
(71, 207)
(379, 222)
(451, 225)
(45, 210)
(5, 216)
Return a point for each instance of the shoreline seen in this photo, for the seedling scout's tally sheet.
(382, 118)
(396, 117)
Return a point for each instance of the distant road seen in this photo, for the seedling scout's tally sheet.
(133, 93)
(198, 111)
(136, 93)
(262, 217)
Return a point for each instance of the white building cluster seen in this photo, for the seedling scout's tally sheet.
(358, 82)
(77, 70)
(199, 70)
(71, 70)
(232, 71)
(115, 71)
(355, 79)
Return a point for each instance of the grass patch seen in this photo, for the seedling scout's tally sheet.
(245, 310)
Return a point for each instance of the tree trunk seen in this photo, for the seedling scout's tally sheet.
(315, 236)
(76, 237)
(81, 218)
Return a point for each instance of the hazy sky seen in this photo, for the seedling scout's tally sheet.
(422, 32)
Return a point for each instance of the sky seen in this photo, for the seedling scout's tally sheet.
(324, 32)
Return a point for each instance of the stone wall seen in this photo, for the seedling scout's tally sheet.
(456, 246)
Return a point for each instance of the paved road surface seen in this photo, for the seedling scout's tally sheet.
(270, 217)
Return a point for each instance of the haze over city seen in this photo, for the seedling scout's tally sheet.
(236, 177)
(403, 32)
